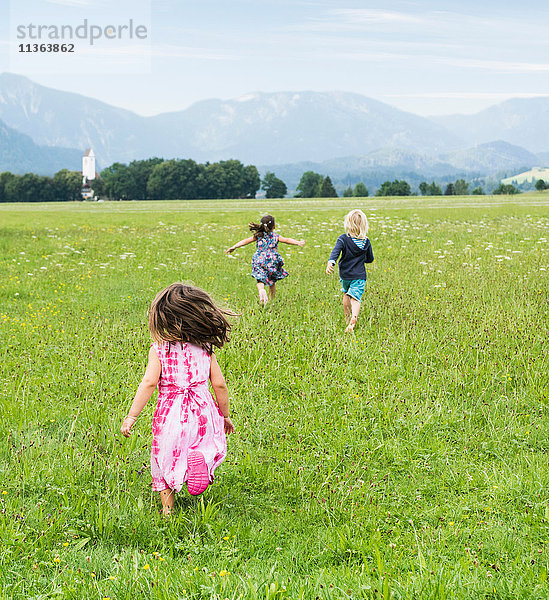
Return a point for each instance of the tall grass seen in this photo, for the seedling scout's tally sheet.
(407, 460)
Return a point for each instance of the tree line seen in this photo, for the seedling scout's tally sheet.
(184, 179)
(314, 185)
(64, 186)
(159, 179)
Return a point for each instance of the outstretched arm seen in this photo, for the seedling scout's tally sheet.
(221, 393)
(291, 241)
(144, 392)
(240, 244)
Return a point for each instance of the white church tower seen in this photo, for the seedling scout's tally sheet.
(88, 174)
(88, 165)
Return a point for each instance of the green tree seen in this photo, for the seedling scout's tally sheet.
(117, 181)
(29, 188)
(327, 189)
(461, 187)
(252, 182)
(186, 174)
(231, 179)
(540, 185)
(360, 191)
(403, 188)
(212, 181)
(273, 186)
(423, 188)
(506, 189)
(5, 178)
(450, 191)
(67, 186)
(394, 188)
(348, 192)
(186, 179)
(478, 191)
(309, 185)
(433, 189)
(139, 172)
(234, 178)
(174, 179)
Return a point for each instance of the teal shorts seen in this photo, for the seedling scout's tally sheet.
(353, 287)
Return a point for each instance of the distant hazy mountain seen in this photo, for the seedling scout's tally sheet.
(492, 157)
(19, 154)
(290, 126)
(387, 163)
(404, 161)
(54, 118)
(332, 132)
(520, 121)
(257, 128)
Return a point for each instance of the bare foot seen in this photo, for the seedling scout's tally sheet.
(351, 326)
(263, 297)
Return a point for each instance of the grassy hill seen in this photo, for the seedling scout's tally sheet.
(528, 176)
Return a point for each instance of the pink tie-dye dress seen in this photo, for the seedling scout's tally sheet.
(186, 416)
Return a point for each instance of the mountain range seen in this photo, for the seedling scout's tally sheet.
(520, 121)
(343, 131)
(471, 163)
(19, 154)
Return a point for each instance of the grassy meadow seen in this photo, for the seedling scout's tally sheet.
(406, 460)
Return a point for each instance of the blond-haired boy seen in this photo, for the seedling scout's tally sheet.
(355, 250)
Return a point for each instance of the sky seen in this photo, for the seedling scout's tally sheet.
(426, 57)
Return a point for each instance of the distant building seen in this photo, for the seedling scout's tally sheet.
(88, 165)
(88, 174)
(87, 193)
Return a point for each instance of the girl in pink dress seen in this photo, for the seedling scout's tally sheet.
(189, 426)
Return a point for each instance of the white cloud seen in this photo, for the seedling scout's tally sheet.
(494, 96)
(423, 57)
(173, 51)
(427, 25)
(156, 51)
(356, 20)
(76, 3)
(375, 16)
(367, 56)
(499, 66)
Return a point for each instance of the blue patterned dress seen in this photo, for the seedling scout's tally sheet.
(267, 264)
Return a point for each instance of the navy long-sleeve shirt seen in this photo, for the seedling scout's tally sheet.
(351, 263)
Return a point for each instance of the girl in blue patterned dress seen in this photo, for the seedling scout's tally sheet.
(267, 264)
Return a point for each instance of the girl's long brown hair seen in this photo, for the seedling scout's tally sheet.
(183, 313)
(266, 226)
